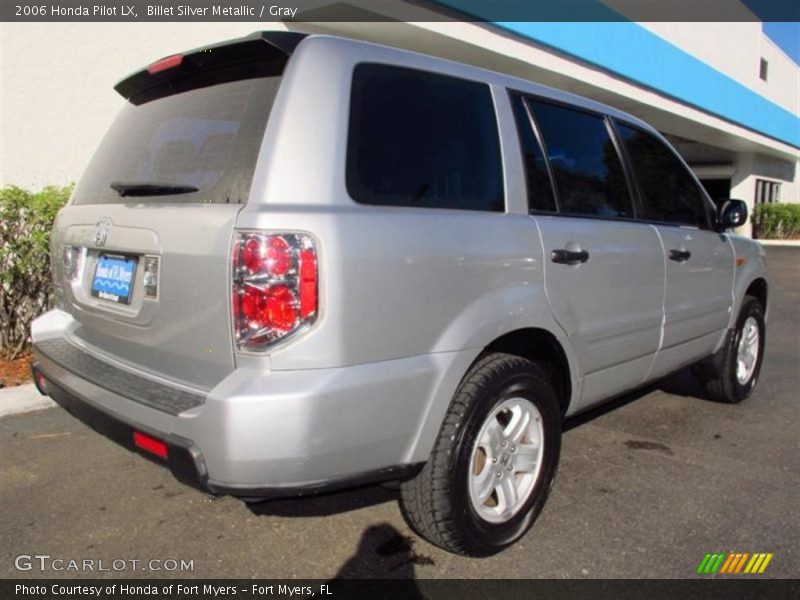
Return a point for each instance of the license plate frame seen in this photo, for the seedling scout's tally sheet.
(114, 277)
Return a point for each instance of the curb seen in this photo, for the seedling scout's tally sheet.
(22, 399)
(787, 243)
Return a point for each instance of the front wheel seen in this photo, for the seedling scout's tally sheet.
(741, 357)
(494, 461)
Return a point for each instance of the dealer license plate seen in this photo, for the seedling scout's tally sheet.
(113, 278)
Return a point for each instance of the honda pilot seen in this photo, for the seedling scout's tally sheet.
(304, 263)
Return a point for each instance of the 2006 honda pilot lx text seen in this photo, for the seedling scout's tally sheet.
(298, 263)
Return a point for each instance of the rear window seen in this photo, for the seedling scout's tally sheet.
(205, 139)
(419, 139)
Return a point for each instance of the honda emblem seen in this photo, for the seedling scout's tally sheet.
(101, 232)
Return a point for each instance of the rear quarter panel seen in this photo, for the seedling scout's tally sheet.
(394, 282)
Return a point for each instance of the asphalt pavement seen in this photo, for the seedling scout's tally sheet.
(645, 488)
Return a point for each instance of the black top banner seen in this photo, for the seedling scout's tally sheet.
(399, 10)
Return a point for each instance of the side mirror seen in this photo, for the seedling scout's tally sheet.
(732, 214)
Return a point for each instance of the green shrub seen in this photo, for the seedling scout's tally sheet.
(26, 289)
(776, 221)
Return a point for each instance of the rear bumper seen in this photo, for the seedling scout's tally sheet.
(266, 434)
(185, 461)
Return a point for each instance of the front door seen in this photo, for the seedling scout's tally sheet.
(699, 261)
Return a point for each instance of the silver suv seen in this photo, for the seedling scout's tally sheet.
(299, 263)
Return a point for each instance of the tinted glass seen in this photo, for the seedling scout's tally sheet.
(585, 163)
(669, 193)
(206, 138)
(540, 190)
(424, 140)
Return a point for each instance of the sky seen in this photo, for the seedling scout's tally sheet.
(787, 36)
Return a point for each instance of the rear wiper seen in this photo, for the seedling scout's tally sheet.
(151, 188)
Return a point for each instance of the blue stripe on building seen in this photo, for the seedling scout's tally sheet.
(631, 51)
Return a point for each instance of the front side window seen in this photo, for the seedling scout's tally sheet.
(668, 191)
(419, 139)
(586, 166)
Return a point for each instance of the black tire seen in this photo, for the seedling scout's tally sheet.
(437, 503)
(723, 385)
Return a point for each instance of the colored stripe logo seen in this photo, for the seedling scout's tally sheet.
(734, 563)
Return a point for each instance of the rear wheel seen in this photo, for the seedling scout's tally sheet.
(741, 357)
(494, 461)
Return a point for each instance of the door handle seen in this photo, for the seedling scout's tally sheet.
(679, 255)
(563, 256)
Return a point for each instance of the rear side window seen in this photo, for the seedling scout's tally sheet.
(205, 139)
(540, 190)
(419, 139)
(668, 191)
(585, 163)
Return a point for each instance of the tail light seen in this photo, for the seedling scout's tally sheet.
(275, 281)
(41, 383)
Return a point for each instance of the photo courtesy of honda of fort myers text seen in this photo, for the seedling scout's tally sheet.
(414, 299)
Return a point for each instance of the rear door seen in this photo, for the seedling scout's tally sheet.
(142, 252)
(699, 265)
(604, 271)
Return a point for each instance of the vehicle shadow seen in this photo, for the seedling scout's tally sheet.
(680, 383)
(327, 504)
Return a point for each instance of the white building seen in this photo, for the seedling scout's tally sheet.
(727, 97)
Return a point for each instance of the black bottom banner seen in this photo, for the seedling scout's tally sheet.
(430, 589)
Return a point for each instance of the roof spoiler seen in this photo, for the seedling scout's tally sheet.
(242, 57)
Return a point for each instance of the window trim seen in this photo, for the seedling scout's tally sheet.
(349, 128)
(632, 182)
(527, 98)
(709, 208)
(514, 97)
(633, 191)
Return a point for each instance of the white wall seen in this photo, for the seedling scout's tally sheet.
(735, 49)
(750, 167)
(56, 95)
(56, 99)
(783, 81)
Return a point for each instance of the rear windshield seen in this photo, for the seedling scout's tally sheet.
(198, 146)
